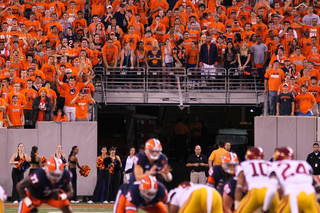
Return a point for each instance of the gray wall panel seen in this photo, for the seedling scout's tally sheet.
(306, 127)
(4, 159)
(48, 138)
(287, 132)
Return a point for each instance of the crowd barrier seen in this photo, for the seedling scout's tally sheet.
(47, 136)
(298, 132)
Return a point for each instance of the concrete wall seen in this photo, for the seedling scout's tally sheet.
(278, 131)
(47, 136)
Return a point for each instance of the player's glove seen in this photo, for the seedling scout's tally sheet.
(30, 205)
(59, 196)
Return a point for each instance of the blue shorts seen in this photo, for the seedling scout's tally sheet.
(307, 114)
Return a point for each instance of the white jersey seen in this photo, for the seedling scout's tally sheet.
(294, 176)
(3, 195)
(183, 194)
(256, 173)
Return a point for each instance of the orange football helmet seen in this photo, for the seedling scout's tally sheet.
(148, 187)
(283, 153)
(54, 169)
(153, 148)
(254, 153)
(229, 162)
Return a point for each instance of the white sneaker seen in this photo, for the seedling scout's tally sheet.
(77, 201)
(90, 202)
(112, 201)
(72, 201)
(15, 202)
(105, 202)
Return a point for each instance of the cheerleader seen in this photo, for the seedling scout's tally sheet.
(60, 155)
(103, 162)
(128, 165)
(17, 174)
(34, 160)
(115, 176)
(73, 164)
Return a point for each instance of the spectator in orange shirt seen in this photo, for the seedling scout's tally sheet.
(273, 79)
(48, 69)
(158, 29)
(52, 95)
(16, 92)
(314, 89)
(59, 116)
(15, 114)
(131, 38)
(110, 55)
(82, 100)
(2, 108)
(30, 95)
(297, 58)
(193, 55)
(306, 102)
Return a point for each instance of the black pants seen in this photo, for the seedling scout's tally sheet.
(103, 175)
(60, 102)
(74, 182)
(114, 184)
(31, 171)
(17, 176)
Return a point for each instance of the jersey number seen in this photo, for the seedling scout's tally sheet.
(34, 179)
(261, 169)
(300, 170)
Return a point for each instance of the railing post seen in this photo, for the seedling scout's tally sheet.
(265, 104)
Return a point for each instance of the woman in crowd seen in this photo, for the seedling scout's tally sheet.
(103, 174)
(73, 164)
(59, 116)
(244, 57)
(127, 61)
(127, 163)
(167, 60)
(115, 176)
(230, 56)
(34, 160)
(17, 174)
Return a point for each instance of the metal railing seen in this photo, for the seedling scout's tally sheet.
(177, 85)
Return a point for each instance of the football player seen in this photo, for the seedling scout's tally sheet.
(220, 173)
(147, 194)
(50, 185)
(254, 173)
(151, 162)
(195, 198)
(229, 189)
(295, 178)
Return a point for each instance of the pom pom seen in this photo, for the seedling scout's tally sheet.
(111, 169)
(24, 166)
(43, 160)
(100, 163)
(63, 160)
(20, 162)
(84, 171)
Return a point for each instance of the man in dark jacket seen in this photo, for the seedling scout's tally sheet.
(208, 58)
(42, 106)
(314, 159)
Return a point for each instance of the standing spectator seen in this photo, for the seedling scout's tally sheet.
(307, 19)
(30, 95)
(82, 101)
(285, 102)
(127, 165)
(42, 106)
(195, 131)
(59, 116)
(216, 155)
(17, 174)
(314, 159)
(180, 54)
(306, 102)
(244, 57)
(115, 176)
(208, 57)
(314, 89)
(273, 79)
(2, 108)
(259, 55)
(198, 163)
(227, 146)
(122, 21)
(15, 114)
(230, 56)
(179, 136)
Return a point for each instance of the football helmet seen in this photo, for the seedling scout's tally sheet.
(54, 169)
(185, 184)
(283, 153)
(229, 162)
(148, 187)
(254, 153)
(153, 148)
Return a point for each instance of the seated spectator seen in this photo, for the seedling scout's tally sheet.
(59, 116)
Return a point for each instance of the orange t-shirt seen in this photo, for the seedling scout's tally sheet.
(305, 102)
(303, 80)
(52, 95)
(194, 35)
(59, 118)
(305, 44)
(48, 71)
(161, 27)
(14, 113)
(315, 58)
(147, 43)
(298, 61)
(275, 78)
(2, 103)
(315, 91)
(110, 53)
(315, 73)
(132, 39)
(71, 92)
(17, 67)
(4, 93)
(21, 98)
(192, 56)
(259, 29)
(28, 93)
(82, 107)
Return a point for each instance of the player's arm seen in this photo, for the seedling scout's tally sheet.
(138, 171)
(271, 191)
(12, 161)
(173, 208)
(227, 203)
(165, 172)
(68, 191)
(25, 183)
(239, 193)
